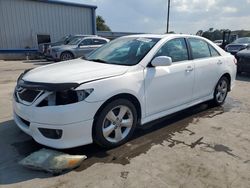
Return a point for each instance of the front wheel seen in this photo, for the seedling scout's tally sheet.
(115, 124)
(66, 56)
(221, 90)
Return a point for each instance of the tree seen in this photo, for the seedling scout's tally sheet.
(101, 25)
(211, 29)
(199, 33)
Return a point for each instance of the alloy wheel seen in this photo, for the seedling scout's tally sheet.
(117, 124)
(222, 89)
(66, 56)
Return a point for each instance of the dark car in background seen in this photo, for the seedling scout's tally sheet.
(243, 57)
(238, 45)
(44, 48)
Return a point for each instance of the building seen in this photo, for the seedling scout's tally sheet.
(26, 23)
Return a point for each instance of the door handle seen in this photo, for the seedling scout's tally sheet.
(219, 62)
(189, 69)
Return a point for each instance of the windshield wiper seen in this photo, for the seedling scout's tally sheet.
(98, 60)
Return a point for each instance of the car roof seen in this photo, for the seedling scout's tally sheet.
(161, 36)
(79, 35)
(95, 37)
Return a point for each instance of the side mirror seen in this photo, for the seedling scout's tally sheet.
(161, 61)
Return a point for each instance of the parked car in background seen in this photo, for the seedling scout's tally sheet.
(78, 47)
(44, 48)
(130, 81)
(218, 42)
(237, 45)
(243, 57)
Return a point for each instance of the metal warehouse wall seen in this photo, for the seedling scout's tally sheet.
(22, 20)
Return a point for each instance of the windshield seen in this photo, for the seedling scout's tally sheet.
(123, 51)
(75, 40)
(242, 40)
(63, 39)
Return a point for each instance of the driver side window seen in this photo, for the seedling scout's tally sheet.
(86, 42)
(176, 49)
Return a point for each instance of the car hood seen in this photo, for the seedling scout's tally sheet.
(73, 71)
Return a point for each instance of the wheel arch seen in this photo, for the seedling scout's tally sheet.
(67, 51)
(127, 96)
(227, 75)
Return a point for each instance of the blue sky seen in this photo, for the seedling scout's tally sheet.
(187, 16)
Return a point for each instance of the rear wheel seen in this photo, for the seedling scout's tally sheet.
(115, 124)
(66, 56)
(221, 90)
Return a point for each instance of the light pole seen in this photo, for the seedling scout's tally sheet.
(168, 16)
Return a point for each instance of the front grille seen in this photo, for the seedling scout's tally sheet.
(27, 95)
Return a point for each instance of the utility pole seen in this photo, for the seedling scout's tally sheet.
(168, 16)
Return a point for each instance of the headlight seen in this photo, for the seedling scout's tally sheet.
(72, 96)
(65, 97)
(55, 50)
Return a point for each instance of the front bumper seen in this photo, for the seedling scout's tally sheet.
(55, 55)
(75, 121)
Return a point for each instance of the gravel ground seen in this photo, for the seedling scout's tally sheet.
(203, 146)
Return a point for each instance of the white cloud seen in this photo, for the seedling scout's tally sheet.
(186, 16)
(229, 9)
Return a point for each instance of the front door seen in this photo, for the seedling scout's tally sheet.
(167, 87)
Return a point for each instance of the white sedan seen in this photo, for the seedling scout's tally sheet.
(128, 82)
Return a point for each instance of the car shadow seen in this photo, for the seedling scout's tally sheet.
(15, 145)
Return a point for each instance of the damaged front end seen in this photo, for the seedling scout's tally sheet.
(49, 94)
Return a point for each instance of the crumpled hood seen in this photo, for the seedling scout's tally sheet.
(73, 71)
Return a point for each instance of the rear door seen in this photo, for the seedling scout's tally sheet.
(207, 63)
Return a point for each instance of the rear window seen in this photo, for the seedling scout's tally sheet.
(99, 41)
(213, 51)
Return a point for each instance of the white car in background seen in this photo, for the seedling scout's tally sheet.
(218, 42)
(131, 80)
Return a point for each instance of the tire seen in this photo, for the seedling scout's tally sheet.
(110, 130)
(221, 91)
(66, 56)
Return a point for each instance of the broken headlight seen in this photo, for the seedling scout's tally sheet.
(65, 97)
